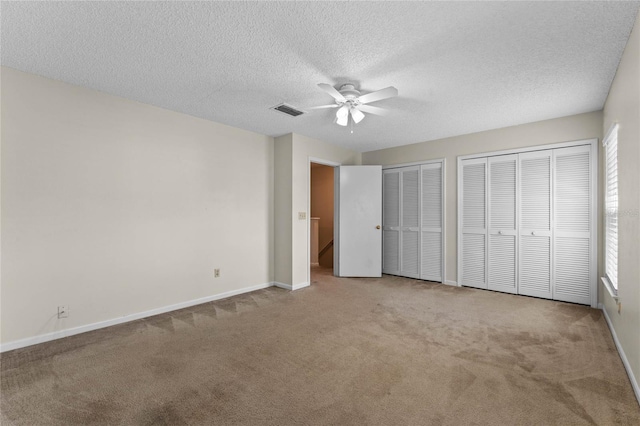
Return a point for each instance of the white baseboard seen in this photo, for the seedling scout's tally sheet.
(623, 357)
(283, 285)
(299, 286)
(291, 287)
(17, 344)
(449, 282)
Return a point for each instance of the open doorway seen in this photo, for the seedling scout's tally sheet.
(321, 216)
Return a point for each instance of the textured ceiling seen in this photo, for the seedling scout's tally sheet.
(460, 67)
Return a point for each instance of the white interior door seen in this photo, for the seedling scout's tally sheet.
(410, 238)
(502, 246)
(358, 234)
(572, 224)
(473, 198)
(431, 265)
(391, 222)
(536, 249)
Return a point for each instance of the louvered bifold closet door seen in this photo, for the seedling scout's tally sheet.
(410, 222)
(535, 254)
(391, 222)
(502, 247)
(572, 224)
(474, 227)
(431, 218)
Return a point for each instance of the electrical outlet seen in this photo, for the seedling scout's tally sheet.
(63, 311)
(216, 273)
(302, 215)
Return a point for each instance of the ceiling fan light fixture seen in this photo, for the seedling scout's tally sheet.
(357, 115)
(342, 115)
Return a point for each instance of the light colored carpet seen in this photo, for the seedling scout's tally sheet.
(390, 351)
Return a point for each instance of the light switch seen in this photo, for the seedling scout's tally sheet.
(302, 215)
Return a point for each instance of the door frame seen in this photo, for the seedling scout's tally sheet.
(324, 162)
(593, 144)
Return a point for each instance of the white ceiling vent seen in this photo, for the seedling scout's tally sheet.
(288, 109)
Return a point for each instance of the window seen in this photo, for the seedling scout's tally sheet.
(611, 211)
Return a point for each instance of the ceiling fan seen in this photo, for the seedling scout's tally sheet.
(350, 102)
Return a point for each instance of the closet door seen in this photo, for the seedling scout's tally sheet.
(432, 201)
(473, 271)
(535, 253)
(409, 226)
(572, 224)
(391, 222)
(502, 241)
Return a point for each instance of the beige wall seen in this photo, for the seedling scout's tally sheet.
(623, 107)
(115, 207)
(283, 199)
(322, 207)
(577, 127)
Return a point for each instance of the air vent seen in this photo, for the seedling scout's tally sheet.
(288, 109)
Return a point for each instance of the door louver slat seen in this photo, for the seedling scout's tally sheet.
(431, 256)
(474, 225)
(432, 197)
(535, 266)
(474, 260)
(410, 253)
(391, 222)
(431, 206)
(535, 178)
(502, 262)
(391, 246)
(572, 192)
(503, 194)
(391, 213)
(572, 270)
(410, 197)
(572, 224)
(474, 196)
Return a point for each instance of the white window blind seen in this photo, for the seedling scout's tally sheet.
(611, 205)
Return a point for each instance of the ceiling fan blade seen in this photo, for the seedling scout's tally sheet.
(388, 92)
(324, 106)
(332, 91)
(373, 110)
(357, 115)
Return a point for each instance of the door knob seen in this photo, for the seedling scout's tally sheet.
(378, 227)
(533, 233)
(500, 232)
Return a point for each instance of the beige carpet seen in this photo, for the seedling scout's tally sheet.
(388, 351)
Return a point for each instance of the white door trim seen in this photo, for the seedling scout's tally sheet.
(414, 163)
(444, 221)
(530, 149)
